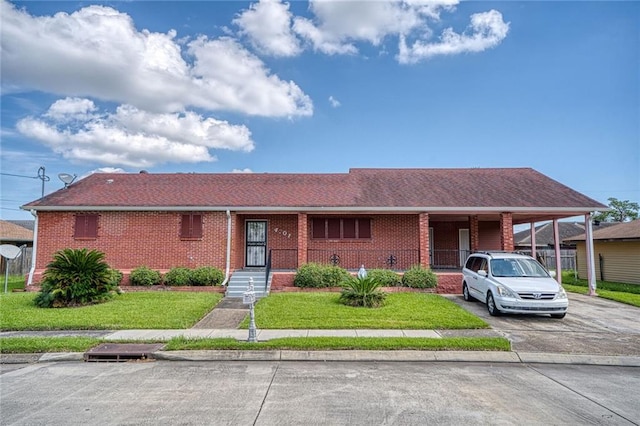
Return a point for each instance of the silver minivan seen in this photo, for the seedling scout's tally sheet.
(512, 283)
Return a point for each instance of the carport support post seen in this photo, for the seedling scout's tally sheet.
(556, 246)
(591, 268)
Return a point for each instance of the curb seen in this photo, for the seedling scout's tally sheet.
(352, 356)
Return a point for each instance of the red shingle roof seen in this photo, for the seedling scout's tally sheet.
(360, 188)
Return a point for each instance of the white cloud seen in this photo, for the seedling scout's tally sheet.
(97, 52)
(334, 102)
(245, 170)
(486, 30)
(224, 67)
(339, 24)
(103, 170)
(71, 109)
(132, 137)
(268, 26)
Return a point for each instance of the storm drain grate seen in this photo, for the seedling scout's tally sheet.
(122, 352)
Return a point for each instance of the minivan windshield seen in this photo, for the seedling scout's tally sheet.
(517, 268)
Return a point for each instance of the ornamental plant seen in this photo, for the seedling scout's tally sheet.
(385, 277)
(362, 292)
(419, 277)
(76, 277)
(178, 277)
(145, 276)
(207, 275)
(315, 275)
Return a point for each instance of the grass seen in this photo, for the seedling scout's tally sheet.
(15, 345)
(324, 311)
(15, 282)
(34, 345)
(620, 292)
(346, 343)
(144, 310)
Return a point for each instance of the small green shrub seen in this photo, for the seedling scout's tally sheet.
(115, 277)
(178, 277)
(207, 275)
(314, 275)
(75, 277)
(145, 276)
(385, 277)
(419, 277)
(362, 292)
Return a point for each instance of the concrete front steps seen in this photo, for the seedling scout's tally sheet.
(239, 282)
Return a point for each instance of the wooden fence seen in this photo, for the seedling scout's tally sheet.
(19, 266)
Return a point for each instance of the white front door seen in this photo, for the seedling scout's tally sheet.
(463, 245)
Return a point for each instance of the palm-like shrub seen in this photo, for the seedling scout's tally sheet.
(76, 277)
(419, 277)
(145, 276)
(207, 275)
(362, 292)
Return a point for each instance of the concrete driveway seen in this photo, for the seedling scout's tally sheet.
(592, 326)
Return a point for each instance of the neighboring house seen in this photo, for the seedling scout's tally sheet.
(380, 218)
(17, 235)
(617, 252)
(544, 235)
(11, 233)
(545, 242)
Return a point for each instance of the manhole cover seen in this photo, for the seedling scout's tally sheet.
(120, 352)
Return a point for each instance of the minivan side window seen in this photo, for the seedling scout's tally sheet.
(483, 264)
(471, 262)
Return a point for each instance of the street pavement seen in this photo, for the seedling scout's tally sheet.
(318, 393)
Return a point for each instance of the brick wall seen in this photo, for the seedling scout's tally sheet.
(396, 235)
(133, 239)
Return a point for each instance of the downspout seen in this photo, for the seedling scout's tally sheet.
(226, 274)
(34, 249)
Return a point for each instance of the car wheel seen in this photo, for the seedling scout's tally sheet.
(465, 293)
(558, 316)
(491, 306)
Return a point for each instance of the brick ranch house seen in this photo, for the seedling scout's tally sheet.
(380, 218)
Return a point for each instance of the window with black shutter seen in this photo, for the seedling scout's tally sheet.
(191, 226)
(86, 226)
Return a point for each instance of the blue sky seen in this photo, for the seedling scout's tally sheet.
(322, 86)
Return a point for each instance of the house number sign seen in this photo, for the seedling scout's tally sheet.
(282, 232)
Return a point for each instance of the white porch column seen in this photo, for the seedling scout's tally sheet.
(591, 266)
(556, 247)
(533, 240)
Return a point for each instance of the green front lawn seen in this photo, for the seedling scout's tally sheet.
(324, 311)
(144, 310)
(620, 292)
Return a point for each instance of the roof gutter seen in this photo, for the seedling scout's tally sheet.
(452, 210)
(34, 250)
